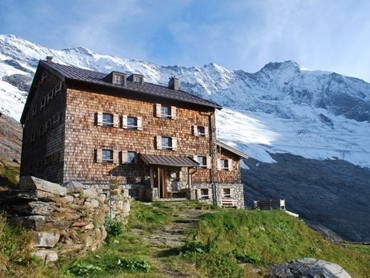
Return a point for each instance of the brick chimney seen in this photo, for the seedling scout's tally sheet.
(49, 58)
(173, 83)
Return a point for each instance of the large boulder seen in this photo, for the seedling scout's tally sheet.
(307, 268)
(29, 183)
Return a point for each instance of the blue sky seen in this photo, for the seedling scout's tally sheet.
(331, 35)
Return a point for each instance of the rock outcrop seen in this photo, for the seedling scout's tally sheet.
(64, 221)
(10, 138)
(327, 194)
(307, 268)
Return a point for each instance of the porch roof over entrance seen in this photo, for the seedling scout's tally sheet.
(168, 160)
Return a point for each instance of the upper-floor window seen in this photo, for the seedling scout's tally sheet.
(224, 164)
(166, 143)
(201, 131)
(130, 122)
(131, 157)
(118, 79)
(203, 161)
(107, 155)
(165, 111)
(107, 119)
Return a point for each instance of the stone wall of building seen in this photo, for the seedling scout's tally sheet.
(65, 221)
(220, 194)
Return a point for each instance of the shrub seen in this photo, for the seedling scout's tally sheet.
(113, 228)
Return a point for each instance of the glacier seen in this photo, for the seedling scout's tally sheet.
(283, 108)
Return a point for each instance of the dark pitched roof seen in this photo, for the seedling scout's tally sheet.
(74, 73)
(231, 149)
(168, 160)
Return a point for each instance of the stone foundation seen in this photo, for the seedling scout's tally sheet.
(64, 221)
(220, 194)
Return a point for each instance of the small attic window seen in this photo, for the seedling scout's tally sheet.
(137, 78)
(118, 79)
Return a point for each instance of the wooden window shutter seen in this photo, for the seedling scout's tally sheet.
(173, 112)
(195, 157)
(174, 143)
(115, 120)
(158, 141)
(99, 118)
(230, 164)
(206, 131)
(124, 121)
(218, 164)
(124, 157)
(195, 130)
(209, 162)
(158, 112)
(231, 192)
(98, 155)
(115, 156)
(139, 123)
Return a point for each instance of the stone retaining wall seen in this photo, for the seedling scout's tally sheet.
(65, 221)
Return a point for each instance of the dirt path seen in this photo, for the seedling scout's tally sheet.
(171, 236)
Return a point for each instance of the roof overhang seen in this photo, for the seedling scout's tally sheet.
(231, 149)
(168, 160)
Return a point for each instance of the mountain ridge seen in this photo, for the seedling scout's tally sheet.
(281, 116)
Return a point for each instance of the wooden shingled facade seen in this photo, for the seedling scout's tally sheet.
(80, 126)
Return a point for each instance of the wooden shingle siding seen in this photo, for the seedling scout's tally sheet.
(146, 139)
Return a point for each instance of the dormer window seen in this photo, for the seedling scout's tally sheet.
(118, 79)
(136, 78)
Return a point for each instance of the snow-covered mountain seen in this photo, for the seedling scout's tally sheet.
(282, 113)
(280, 109)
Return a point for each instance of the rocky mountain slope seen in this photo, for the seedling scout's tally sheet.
(281, 109)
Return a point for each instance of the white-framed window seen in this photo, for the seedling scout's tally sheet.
(226, 192)
(128, 157)
(166, 143)
(107, 119)
(118, 79)
(43, 103)
(225, 164)
(58, 88)
(200, 131)
(204, 193)
(165, 111)
(203, 161)
(130, 122)
(138, 79)
(107, 155)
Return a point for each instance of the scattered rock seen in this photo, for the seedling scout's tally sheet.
(33, 183)
(307, 268)
(47, 256)
(45, 239)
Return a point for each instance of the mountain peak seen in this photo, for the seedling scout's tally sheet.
(278, 66)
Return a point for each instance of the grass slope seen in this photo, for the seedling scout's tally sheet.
(184, 239)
